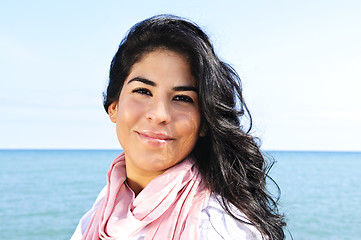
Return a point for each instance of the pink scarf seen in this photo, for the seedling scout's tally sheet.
(168, 208)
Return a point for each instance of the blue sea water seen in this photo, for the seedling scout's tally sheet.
(44, 193)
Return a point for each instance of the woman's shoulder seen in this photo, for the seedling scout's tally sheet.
(216, 223)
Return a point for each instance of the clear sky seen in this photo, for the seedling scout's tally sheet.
(300, 62)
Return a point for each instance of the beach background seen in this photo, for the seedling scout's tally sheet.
(300, 68)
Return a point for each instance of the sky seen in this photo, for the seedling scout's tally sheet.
(299, 61)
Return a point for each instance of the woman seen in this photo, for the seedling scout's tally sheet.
(189, 170)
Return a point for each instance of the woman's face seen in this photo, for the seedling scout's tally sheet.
(157, 116)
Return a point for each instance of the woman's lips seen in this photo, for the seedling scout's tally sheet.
(154, 139)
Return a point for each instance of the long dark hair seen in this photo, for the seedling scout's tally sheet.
(228, 157)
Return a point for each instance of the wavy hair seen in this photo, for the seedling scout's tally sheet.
(228, 157)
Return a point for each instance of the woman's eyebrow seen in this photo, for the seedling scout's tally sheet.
(143, 80)
(185, 88)
(153, 84)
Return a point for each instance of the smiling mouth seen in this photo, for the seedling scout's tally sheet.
(154, 139)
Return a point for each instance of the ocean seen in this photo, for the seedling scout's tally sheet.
(44, 193)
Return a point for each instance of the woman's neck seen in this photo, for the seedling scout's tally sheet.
(135, 186)
(138, 181)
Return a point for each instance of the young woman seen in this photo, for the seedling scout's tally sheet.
(189, 170)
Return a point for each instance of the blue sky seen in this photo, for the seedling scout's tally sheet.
(300, 62)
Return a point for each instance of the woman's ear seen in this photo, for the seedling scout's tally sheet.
(112, 111)
(203, 131)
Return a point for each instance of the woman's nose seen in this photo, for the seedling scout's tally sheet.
(159, 111)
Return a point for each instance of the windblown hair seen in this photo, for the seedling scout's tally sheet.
(228, 157)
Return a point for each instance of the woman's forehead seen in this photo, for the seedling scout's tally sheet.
(162, 63)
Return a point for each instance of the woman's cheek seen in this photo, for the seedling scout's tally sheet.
(130, 110)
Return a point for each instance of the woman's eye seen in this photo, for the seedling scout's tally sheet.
(183, 98)
(142, 91)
